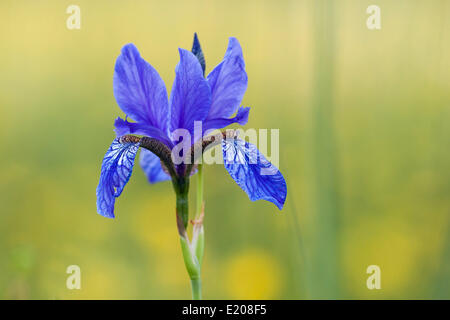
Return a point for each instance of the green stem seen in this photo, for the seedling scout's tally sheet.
(199, 190)
(196, 289)
(188, 249)
(190, 260)
(198, 241)
(181, 187)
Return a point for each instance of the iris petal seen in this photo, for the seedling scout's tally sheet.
(139, 90)
(241, 118)
(253, 172)
(117, 167)
(151, 165)
(191, 96)
(123, 127)
(228, 82)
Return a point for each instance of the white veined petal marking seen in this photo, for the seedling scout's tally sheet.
(253, 172)
(116, 170)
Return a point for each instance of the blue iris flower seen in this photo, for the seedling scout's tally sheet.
(215, 101)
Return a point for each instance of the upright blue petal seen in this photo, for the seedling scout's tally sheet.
(191, 96)
(116, 170)
(228, 82)
(253, 172)
(151, 165)
(139, 90)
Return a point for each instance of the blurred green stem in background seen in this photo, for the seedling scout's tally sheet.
(323, 265)
(192, 250)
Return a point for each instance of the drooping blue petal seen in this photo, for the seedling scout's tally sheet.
(241, 118)
(191, 96)
(116, 170)
(123, 127)
(139, 90)
(228, 82)
(151, 165)
(253, 172)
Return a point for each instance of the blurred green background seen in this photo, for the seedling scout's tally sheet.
(364, 147)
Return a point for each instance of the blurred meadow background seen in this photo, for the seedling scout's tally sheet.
(364, 147)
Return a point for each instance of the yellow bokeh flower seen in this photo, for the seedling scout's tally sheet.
(253, 274)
